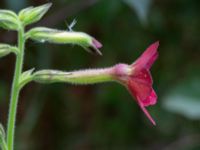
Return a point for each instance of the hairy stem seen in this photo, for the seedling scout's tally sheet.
(15, 90)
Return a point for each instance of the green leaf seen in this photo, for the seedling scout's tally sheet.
(184, 99)
(33, 14)
(8, 20)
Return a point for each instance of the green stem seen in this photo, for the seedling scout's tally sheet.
(15, 90)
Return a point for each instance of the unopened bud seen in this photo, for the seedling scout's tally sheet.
(8, 20)
(33, 14)
(5, 49)
(43, 34)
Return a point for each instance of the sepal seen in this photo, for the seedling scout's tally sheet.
(50, 76)
(26, 77)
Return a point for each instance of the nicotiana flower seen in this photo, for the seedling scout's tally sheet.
(135, 77)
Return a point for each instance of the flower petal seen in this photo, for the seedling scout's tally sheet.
(148, 57)
(140, 87)
(96, 43)
(146, 113)
(151, 99)
(143, 93)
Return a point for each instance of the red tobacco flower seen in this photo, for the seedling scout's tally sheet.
(138, 80)
(135, 77)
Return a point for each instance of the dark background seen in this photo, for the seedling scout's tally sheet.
(105, 116)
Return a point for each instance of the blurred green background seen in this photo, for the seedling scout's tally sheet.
(105, 116)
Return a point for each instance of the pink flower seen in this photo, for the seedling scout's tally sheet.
(138, 80)
(135, 77)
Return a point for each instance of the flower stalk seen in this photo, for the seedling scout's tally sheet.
(15, 90)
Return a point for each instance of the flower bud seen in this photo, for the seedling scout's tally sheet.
(8, 20)
(33, 14)
(5, 49)
(43, 34)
